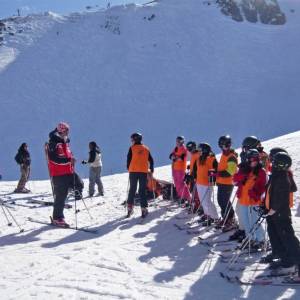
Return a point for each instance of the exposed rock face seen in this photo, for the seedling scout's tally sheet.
(264, 11)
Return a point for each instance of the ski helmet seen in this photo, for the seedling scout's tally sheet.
(250, 142)
(205, 148)
(136, 137)
(224, 140)
(252, 155)
(191, 146)
(62, 127)
(180, 139)
(274, 151)
(281, 161)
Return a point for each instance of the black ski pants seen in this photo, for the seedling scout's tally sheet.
(224, 194)
(134, 179)
(283, 241)
(61, 186)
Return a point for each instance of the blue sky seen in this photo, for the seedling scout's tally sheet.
(9, 7)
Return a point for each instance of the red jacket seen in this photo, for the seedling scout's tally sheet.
(59, 156)
(250, 186)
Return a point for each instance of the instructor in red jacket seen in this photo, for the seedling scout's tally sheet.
(61, 168)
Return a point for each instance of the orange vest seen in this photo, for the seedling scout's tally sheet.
(244, 197)
(140, 159)
(194, 157)
(179, 164)
(222, 166)
(202, 170)
(267, 199)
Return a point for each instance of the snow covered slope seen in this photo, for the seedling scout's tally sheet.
(171, 67)
(125, 260)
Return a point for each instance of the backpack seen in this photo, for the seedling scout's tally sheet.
(18, 158)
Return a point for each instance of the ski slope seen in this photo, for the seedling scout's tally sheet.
(166, 68)
(125, 260)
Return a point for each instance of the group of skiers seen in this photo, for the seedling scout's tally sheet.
(265, 188)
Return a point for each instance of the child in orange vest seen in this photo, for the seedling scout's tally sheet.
(204, 172)
(194, 155)
(179, 158)
(251, 181)
(226, 169)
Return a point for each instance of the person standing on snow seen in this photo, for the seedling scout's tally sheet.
(278, 202)
(204, 171)
(251, 181)
(23, 159)
(61, 169)
(95, 163)
(139, 161)
(226, 169)
(179, 162)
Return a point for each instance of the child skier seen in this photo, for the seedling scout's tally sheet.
(179, 158)
(204, 171)
(279, 199)
(251, 181)
(226, 169)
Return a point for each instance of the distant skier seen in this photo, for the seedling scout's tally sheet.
(23, 159)
(139, 161)
(179, 163)
(95, 163)
(61, 168)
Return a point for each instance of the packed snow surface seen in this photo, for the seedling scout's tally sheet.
(125, 259)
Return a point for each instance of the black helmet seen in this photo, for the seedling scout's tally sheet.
(224, 140)
(191, 146)
(136, 137)
(274, 151)
(205, 148)
(250, 142)
(281, 161)
(252, 154)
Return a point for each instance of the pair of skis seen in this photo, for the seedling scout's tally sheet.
(284, 280)
(84, 229)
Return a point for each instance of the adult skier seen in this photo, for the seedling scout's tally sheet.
(23, 159)
(61, 169)
(95, 163)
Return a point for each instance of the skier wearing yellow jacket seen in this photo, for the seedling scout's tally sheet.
(227, 167)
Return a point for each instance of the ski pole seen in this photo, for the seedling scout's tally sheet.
(153, 192)
(246, 241)
(228, 209)
(8, 222)
(11, 215)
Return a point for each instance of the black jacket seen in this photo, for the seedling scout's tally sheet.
(23, 157)
(54, 139)
(281, 184)
(92, 154)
